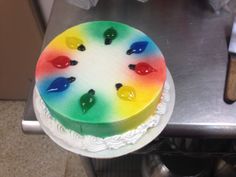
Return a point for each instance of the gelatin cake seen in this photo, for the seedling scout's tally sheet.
(101, 78)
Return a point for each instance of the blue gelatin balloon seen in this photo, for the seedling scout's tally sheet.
(137, 47)
(60, 84)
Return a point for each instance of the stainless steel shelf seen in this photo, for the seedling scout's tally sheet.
(193, 41)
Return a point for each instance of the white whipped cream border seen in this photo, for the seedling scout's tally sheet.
(96, 144)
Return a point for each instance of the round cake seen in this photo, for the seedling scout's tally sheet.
(101, 78)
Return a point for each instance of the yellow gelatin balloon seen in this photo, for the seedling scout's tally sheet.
(75, 43)
(126, 92)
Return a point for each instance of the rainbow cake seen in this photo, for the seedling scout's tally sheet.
(101, 78)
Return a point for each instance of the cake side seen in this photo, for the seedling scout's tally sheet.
(107, 129)
(89, 143)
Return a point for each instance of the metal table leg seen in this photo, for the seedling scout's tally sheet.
(88, 166)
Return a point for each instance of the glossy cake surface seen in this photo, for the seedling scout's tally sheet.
(101, 78)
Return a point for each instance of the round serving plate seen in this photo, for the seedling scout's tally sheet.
(150, 135)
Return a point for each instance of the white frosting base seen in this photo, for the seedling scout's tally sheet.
(96, 144)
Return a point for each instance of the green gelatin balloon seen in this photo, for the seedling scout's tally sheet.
(110, 34)
(87, 100)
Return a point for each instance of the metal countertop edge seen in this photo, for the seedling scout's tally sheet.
(31, 127)
(213, 131)
(174, 130)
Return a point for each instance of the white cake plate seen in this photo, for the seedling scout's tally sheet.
(150, 135)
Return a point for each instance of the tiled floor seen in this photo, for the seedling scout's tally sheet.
(31, 155)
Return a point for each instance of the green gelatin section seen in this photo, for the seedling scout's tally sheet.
(89, 123)
(96, 30)
(98, 113)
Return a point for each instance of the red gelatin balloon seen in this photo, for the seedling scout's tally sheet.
(63, 62)
(142, 68)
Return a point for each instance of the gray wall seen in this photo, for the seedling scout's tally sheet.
(46, 6)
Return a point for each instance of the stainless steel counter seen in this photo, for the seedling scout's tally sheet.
(193, 41)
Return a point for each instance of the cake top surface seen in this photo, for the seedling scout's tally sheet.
(99, 72)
